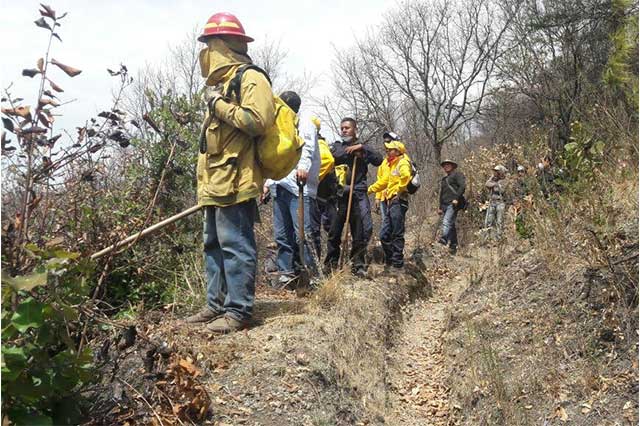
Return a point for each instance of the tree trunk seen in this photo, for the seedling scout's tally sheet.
(437, 152)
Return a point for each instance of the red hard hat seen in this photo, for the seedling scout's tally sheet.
(224, 24)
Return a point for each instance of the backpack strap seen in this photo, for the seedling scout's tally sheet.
(446, 180)
(414, 168)
(233, 90)
(462, 201)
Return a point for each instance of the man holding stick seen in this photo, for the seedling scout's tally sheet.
(353, 204)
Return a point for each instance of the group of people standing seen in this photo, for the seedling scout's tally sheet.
(337, 195)
(504, 191)
(326, 190)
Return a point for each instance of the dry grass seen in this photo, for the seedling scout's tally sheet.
(361, 321)
(330, 293)
(548, 330)
(189, 292)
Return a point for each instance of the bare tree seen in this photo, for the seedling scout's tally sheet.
(271, 56)
(427, 69)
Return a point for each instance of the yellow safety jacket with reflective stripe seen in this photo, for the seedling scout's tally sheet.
(393, 180)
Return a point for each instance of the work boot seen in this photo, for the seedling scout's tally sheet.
(286, 282)
(442, 241)
(359, 272)
(206, 314)
(226, 324)
(453, 250)
(397, 270)
(315, 282)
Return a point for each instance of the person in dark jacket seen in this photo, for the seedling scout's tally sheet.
(344, 152)
(452, 188)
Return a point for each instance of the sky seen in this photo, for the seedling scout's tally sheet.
(98, 35)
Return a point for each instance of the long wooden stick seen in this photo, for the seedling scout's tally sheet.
(347, 223)
(146, 231)
(303, 279)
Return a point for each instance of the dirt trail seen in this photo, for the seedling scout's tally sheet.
(417, 370)
(357, 352)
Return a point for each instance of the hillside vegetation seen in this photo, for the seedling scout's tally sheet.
(540, 327)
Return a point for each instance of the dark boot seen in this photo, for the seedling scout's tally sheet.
(206, 314)
(226, 324)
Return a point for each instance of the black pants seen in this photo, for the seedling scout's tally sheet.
(392, 236)
(323, 214)
(362, 199)
(358, 243)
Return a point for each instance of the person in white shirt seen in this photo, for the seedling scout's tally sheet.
(285, 193)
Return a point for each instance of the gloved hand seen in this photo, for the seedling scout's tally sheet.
(266, 195)
(212, 95)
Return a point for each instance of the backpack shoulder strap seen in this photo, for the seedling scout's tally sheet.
(233, 90)
(446, 180)
(414, 168)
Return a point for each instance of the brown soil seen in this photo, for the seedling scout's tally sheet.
(313, 361)
(488, 338)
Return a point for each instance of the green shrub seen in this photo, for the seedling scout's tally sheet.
(42, 371)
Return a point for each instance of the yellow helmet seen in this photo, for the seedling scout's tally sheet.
(396, 145)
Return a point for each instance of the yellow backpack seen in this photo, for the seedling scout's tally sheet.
(280, 147)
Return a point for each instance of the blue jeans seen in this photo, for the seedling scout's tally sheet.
(449, 234)
(230, 258)
(287, 233)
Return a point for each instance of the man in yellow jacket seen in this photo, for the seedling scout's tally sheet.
(392, 184)
(380, 202)
(229, 179)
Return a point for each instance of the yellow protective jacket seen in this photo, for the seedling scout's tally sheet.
(394, 180)
(326, 159)
(228, 173)
(382, 170)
